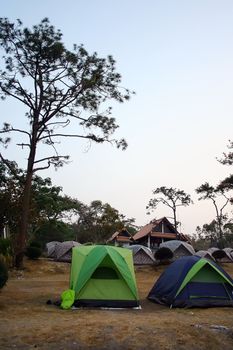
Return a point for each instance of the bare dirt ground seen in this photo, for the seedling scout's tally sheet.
(27, 322)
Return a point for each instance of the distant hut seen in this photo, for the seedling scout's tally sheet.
(205, 254)
(63, 251)
(157, 232)
(121, 238)
(178, 248)
(142, 255)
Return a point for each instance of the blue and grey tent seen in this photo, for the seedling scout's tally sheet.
(193, 282)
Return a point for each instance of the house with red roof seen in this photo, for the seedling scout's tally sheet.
(157, 232)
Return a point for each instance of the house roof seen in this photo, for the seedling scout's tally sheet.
(147, 229)
(118, 236)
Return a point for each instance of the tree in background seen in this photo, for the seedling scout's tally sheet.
(227, 157)
(59, 89)
(208, 235)
(52, 213)
(10, 192)
(98, 221)
(214, 193)
(49, 208)
(50, 204)
(226, 186)
(170, 197)
(53, 230)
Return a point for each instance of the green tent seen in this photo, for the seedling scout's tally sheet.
(103, 276)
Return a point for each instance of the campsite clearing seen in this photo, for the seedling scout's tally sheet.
(27, 322)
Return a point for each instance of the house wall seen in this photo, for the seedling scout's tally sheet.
(163, 227)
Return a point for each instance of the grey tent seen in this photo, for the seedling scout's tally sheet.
(63, 251)
(142, 255)
(205, 254)
(178, 248)
(50, 249)
(229, 252)
(221, 255)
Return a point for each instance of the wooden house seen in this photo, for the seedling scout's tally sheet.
(157, 232)
(121, 238)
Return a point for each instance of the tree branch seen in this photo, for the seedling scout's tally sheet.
(7, 92)
(91, 137)
(17, 130)
(11, 168)
(50, 158)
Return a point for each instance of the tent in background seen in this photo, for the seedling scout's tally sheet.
(50, 249)
(103, 276)
(178, 248)
(205, 254)
(193, 282)
(63, 251)
(142, 255)
(221, 255)
(229, 253)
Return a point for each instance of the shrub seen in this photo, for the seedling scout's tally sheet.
(35, 244)
(33, 253)
(3, 274)
(163, 253)
(5, 246)
(6, 251)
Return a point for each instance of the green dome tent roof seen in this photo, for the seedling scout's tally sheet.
(103, 276)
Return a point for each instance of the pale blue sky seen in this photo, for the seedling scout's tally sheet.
(177, 56)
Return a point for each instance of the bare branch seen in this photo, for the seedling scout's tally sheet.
(23, 145)
(90, 137)
(42, 168)
(17, 130)
(65, 123)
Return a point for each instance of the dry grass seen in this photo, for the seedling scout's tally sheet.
(27, 322)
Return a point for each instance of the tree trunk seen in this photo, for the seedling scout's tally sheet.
(21, 238)
(219, 224)
(22, 234)
(174, 214)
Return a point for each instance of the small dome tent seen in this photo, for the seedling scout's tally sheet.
(205, 254)
(229, 253)
(142, 255)
(221, 255)
(50, 249)
(63, 251)
(193, 282)
(178, 248)
(103, 276)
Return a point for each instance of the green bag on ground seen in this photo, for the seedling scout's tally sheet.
(67, 298)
